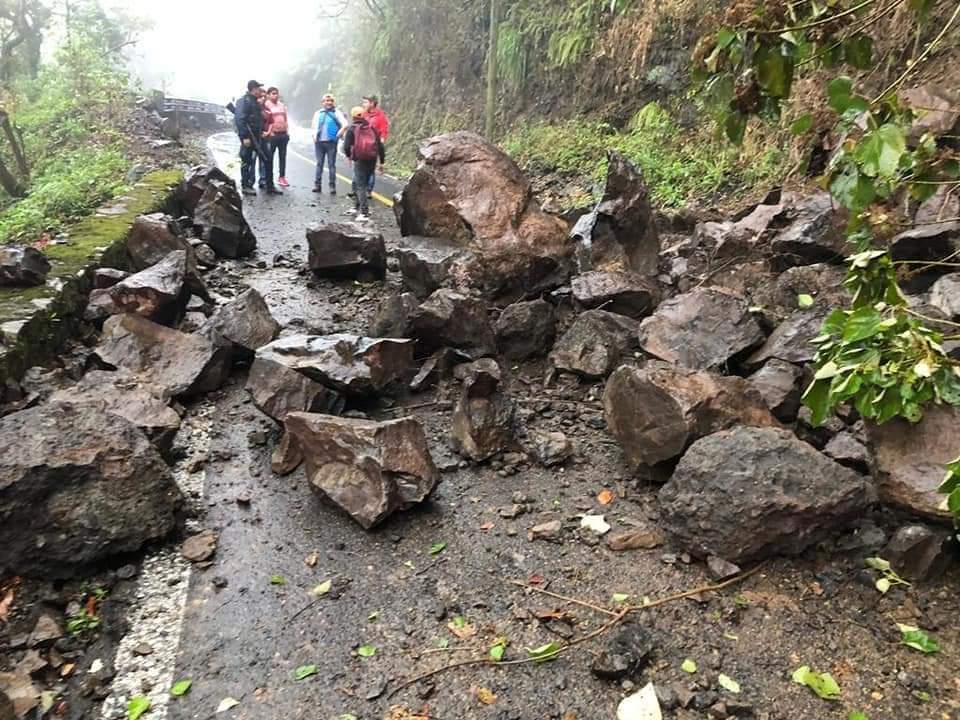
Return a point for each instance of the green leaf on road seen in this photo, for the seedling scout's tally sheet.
(366, 651)
(277, 580)
(804, 301)
(437, 548)
(322, 589)
(137, 706)
(728, 683)
(497, 649)
(181, 687)
(544, 652)
(857, 716)
(304, 671)
(822, 684)
(619, 598)
(688, 666)
(914, 637)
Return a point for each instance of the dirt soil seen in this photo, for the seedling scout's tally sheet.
(250, 619)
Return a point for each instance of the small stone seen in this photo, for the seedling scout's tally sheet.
(199, 548)
(127, 572)
(549, 531)
(46, 630)
(721, 569)
(625, 654)
(142, 649)
(638, 539)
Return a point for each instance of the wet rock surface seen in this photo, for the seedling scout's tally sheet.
(747, 493)
(483, 416)
(449, 318)
(593, 345)
(21, 265)
(346, 249)
(157, 293)
(526, 329)
(245, 321)
(219, 220)
(623, 293)
(95, 485)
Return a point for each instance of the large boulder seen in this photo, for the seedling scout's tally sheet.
(656, 411)
(158, 293)
(153, 237)
(790, 341)
(78, 484)
(347, 363)
(700, 329)
(145, 405)
(22, 265)
(910, 458)
(278, 390)
(346, 250)
(813, 233)
(449, 318)
(369, 469)
(428, 264)
(624, 293)
(526, 329)
(183, 364)
(219, 220)
(621, 233)
(483, 417)
(747, 493)
(593, 345)
(469, 193)
(197, 181)
(245, 321)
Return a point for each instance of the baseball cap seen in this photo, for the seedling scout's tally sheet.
(356, 112)
(251, 84)
(372, 98)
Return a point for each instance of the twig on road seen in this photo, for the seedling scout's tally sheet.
(616, 619)
(558, 596)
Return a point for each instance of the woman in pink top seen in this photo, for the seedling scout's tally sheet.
(278, 128)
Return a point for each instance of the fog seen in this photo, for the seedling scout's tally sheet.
(208, 50)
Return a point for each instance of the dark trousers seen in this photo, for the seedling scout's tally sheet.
(363, 170)
(266, 162)
(248, 166)
(326, 152)
(278, 145)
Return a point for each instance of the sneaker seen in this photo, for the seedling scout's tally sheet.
(333, 191)
(248, 190)
(362, 217)
(282, 181)
(317, 188)
(351, 194)
(350, 211)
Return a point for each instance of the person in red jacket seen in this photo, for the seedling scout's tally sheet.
(379, 121)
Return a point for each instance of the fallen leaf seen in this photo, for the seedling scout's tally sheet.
(544, 652)
(688, 666)
(487, 526)
(497, 649)
(374, 616)
(137, 706)
(857, 716)
(605, 497)
(804, 301)
(822, 684)
(437, 548)
(883, 585)
(461, 628)
(312, 559)
(914, 637)
(277, 580)
(595, 524)
(366, 651)
(322, 589)
(642, 705)
(226, 704)
(619, 598)
(304, 671)
(181, 687)
(728, 683)
(485, 696)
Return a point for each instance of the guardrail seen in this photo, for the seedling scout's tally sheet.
(172, 106)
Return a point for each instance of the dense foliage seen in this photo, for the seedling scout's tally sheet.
(67, 113)
(879, 354)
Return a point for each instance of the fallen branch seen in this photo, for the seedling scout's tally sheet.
(616, 619)
(558, 596)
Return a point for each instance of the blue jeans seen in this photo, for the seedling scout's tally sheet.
(248, 166)
(326, 152)
(363, 171)
(265, 163)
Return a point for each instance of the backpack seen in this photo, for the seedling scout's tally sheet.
(365, 142)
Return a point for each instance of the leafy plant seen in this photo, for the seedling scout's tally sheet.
(889, 577)
(82, 623)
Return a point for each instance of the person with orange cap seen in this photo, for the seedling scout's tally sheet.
(362, 145)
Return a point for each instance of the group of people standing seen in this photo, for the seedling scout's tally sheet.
(263, 128)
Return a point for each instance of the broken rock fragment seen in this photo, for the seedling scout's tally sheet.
(624, 293)
(428, 264)
(551, 448)
(483, 417)
(656, 411)
(219, 220)
(347, 363)
(245, 321)
(526, 329)
(278, 389)
(23, 265)
(700, 329)
(346, 250)
(197, 181)
(394, 316)
(781, 386)
(157, 293)
(153, 237)
(813, 233)
(747, 493)
(183, 364)
(452, 319)
(593, 345)
(77, 485)
(369, 469)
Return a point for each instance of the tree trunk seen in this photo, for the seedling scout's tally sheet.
(9, 183)
(490, 109)
(15, 145)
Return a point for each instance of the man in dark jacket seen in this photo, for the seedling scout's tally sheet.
(249, 122)
(362, 144)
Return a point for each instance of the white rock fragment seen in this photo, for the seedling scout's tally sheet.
(642, 705)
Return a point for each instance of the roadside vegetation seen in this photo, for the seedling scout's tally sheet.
(65, 152)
